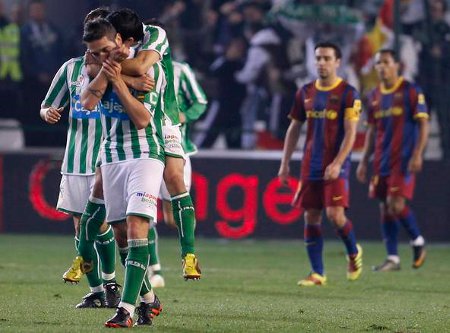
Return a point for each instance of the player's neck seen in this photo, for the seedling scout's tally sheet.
(328, 83)
(388, 86)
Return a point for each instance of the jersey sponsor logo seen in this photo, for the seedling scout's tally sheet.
(337, 198)
(391, 112)
(329, 114)
(78, 112)
(111, 107)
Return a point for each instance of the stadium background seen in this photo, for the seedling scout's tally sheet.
(235, 186)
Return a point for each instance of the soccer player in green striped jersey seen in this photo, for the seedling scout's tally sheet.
(84, 136)
(192, 102)
(132, 162)
(155, 48)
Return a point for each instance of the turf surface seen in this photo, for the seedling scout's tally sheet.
(247, 286)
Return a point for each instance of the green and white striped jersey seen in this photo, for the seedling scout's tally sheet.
(155, 39)
(84, 134)
(122, 141)
(191, 100)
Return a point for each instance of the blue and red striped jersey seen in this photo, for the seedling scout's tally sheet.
(394, 112)
(324, 110)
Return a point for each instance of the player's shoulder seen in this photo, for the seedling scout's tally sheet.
(347, 86)
(152, 29)
(412, 86)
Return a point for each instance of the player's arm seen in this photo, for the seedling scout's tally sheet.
(195, 94)
(290, 143)
(141, 63)
(369, 142)
(137, 112)
(421, 117)
(93, 93)
(57, 97)
(351, 117)
(416, 161)
(140, 83)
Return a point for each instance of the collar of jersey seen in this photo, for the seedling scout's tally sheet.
(393, 88)
(321, 88)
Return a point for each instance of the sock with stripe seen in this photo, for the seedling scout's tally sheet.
(408, 219)
(135, 271)
(154, 263)
(123, 254)
(314, 246)
(389, 228)
(77, 241)
(106, 248)
(347, 234)
(93, 216)
(184, 215)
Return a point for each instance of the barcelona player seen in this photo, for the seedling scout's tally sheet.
(330, 107)
(397, 132)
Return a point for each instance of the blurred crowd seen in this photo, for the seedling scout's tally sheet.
(249, 55)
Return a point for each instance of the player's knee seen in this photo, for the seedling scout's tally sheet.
(396, 206)
(103, 228)
(120, 234)
(335, 215)
(174, 182)
(312, 216)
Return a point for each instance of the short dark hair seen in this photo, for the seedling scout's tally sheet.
(391, 52)
(127, 24)
(330, 45)
(97, 29)
(100, 12)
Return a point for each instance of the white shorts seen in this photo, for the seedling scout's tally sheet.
(74, 191)
(164, 194)
(172, 141)
(131, 188)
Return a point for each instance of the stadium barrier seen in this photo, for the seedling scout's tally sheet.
(237, 195)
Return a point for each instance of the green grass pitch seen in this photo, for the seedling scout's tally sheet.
(247, 286)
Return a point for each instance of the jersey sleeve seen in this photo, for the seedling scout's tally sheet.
(155, 39)
(58, 94)
(193, 92)
(151, 99)
(298, 111)
(418, 104)
(352, 105)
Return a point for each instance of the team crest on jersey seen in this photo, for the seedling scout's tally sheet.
(398, 96)
(334, 99)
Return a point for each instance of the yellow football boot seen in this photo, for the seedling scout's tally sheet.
(312, 280)
(191, 269)
(354, 269)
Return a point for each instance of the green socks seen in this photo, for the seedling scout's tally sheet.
(93, 216)
(135, 269)
(184, 215)
(106, 249)
(153, 250)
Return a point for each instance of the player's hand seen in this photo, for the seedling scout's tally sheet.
(182, 117)
(53, 115)
(283, 174)
(415, 163)
(332, 171)
(119, 54)
(112, 70)
(143, 83)
(361, 172)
